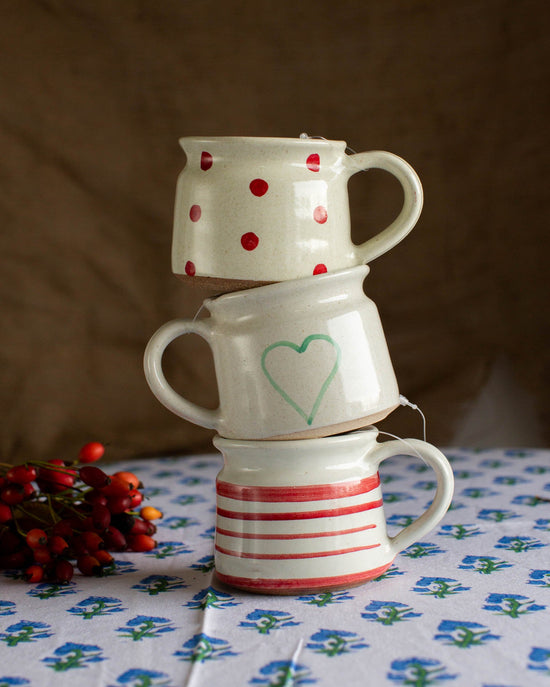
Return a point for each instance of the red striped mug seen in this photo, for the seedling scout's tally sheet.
(307, 515)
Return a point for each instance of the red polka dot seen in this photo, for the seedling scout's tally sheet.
(249, 241)
(259, 187)
(190, 268)
(313, 162)
(320, 269)
(195, 213)
(206, 160)
(320, 214)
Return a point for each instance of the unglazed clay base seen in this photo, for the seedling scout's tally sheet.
(215, 286)
(339, 428)
(300, 586)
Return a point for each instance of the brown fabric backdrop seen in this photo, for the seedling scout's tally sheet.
(93, 98)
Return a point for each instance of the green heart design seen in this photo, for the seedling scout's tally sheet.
(300, 349)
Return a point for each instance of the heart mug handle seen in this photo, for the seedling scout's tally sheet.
(152, 365)
(412, 203)
(444, 491)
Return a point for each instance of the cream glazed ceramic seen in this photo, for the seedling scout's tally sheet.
(308, 515)
(296, 359)
(252, 210)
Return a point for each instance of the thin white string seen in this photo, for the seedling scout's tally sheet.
(198, 311)
(405, 402)
(322, 138)
(408, 444)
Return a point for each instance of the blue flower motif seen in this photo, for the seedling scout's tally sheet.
(166, 549)
(120, 567)
(187, 499)
(93, 606)
(13, 681)
(459, 531)
(540, 578)
(25, 631)
(279, 673)
(264, 621)
(71, 655)
(156, 584)
(537, 469)
(510, 480)
(426, 485)
(542, 524)
(137, 677)
(519, 544)
(512, 605)
(49, 590)
(193, 481)
(528, 500)
(201, 647)
(466, 474)
(204, 564)
(400, 520)
(393, 571)
(485, 565)
(518, 453)
(478, 492)
(325, 598)
(496, 514)
(494, 463)
(142, 626)
(7, 607)
(419, 672)
(438, 587)
(176, 522)
(154, 492)
(463, 634)
(212, 598)
(422, 549)
(539, 659)
(210, 533)
(335, 642)
(388, 612)
(397, 497)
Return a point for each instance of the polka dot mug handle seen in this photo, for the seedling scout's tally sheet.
(412, 204)
(152, 364)
(433, 457)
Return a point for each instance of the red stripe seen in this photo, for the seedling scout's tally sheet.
(313, 492)
(293, 556)
(310, 535)
(300, 515)
(314, 584)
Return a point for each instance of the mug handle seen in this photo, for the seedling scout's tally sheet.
(412, 203)
(152, 365)
(443, 495)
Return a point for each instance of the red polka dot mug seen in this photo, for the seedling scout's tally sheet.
(297, 516)
(257, 210)
(296, 359)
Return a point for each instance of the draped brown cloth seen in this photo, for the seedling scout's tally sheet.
(93, 99)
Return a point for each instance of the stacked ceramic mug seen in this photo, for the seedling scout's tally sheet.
(302, 365)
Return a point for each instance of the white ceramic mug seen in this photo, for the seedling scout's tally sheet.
(252, 210)
(296, 359)
(295, 516)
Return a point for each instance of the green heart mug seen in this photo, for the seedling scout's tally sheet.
(296, 359)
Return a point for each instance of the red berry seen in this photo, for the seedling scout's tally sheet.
(88, 565)
(94, 476)
(136, 498)
(92, 541)
(28, 490)
(21, 474)
(63, 528)
(34, 573)
(114, 539)
(57, 544)
(129, 477)
(64, 571)
(116, 487)
(104, 557)
(12, 494)
(41, 555)
(141, 542)
(94, 497)
(5, 513)
(52, 481)
(91, 452)
(101, 516)
(119, 504)
(36, 537)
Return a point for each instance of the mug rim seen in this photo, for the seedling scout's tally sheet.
(265, 140)
(266, 290)
(271, 444)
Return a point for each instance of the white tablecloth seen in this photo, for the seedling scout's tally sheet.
(467, 606)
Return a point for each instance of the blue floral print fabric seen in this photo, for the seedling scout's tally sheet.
(467, 606)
